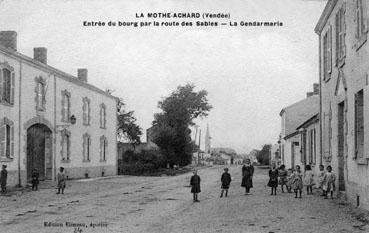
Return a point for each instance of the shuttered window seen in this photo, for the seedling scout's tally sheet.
(65, 145)
(7, 139)
(359, 124)
(86, 111)
(103, 148)
(102, 116)
(7, 80)
(86, 147)
(340, 35)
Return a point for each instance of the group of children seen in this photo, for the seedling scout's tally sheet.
(295, 179)
(34, 179)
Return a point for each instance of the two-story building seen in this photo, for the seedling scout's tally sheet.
(344, 70)
(292, 117)
(51, 119)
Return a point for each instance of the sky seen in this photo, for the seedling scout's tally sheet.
(250, 73)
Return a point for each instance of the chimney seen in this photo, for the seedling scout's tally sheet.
(308, 94)
(8, 39)
(40, 54)
(82, 75)
(316, 88)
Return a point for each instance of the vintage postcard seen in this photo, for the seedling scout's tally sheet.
(184, 116)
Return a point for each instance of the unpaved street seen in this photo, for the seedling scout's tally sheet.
(164, 204)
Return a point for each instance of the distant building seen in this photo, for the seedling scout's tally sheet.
(274, 155)
(291, 118)
(49, 119)
(207, 140)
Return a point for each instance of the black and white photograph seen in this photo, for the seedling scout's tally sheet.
(193, 116)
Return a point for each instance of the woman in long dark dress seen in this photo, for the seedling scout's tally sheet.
(247, 173)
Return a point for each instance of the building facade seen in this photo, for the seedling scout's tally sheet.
(291, 118)
(50, 119)
(344, 69)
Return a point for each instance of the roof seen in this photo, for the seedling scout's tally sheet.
(325, 16)
(297, 113)
(59, 73)
(310, 121)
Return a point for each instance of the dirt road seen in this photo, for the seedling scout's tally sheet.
(164, 204)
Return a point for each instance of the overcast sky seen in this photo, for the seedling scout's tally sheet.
(250, 73)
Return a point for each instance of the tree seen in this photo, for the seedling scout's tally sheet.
(127, 125)
(263, 155)
(171, 127)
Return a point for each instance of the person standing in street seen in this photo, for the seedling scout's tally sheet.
(195, 184)
(297, 184)
(3, 178)
(329, 182)
(247, 173)
(321, 179)
(309, 179)
(61, 180)
(35, 181)
(273, 179)
(282, 173)
(226, 181)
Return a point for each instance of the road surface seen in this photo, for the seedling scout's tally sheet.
(164, 204)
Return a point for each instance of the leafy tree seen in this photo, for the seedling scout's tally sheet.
(171, 127)
(263, 155)
(128, 128)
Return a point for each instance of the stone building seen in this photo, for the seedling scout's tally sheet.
(49, 119)
(291, 118)
(344, 67)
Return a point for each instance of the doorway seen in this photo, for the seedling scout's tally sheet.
(39, 151)
(341, 146)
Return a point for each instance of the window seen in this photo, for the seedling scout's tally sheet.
(103, 148)
(327, 53)
(102, 116)
(312, 146)
(361, 26)
(7, 139)
(86, 147)
(340, 36)
(40, 93)
(6, 84)
(359, 124)
(86, 111)
(65, 145)
(66, 106)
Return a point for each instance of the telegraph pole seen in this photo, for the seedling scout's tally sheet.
(198, 151)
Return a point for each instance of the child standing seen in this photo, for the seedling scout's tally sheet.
(297, 181)
(195, 184)
(321, 179)
(226, 181)
(283, 177)
(273, 179)
(308, 179)
(329, 182)
(289, 179)
(3, 178)
(61, 180)
(35, 181)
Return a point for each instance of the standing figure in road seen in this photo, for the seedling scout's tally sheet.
(297, 181)
(61, 180)
(273, 179)
(282, 173)
(329, 182)
(289, 179)
(247, 173)
(3, 178)
(35, 181)
(321, 179)
(226, 181)
(309, 179)
(195, 184)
